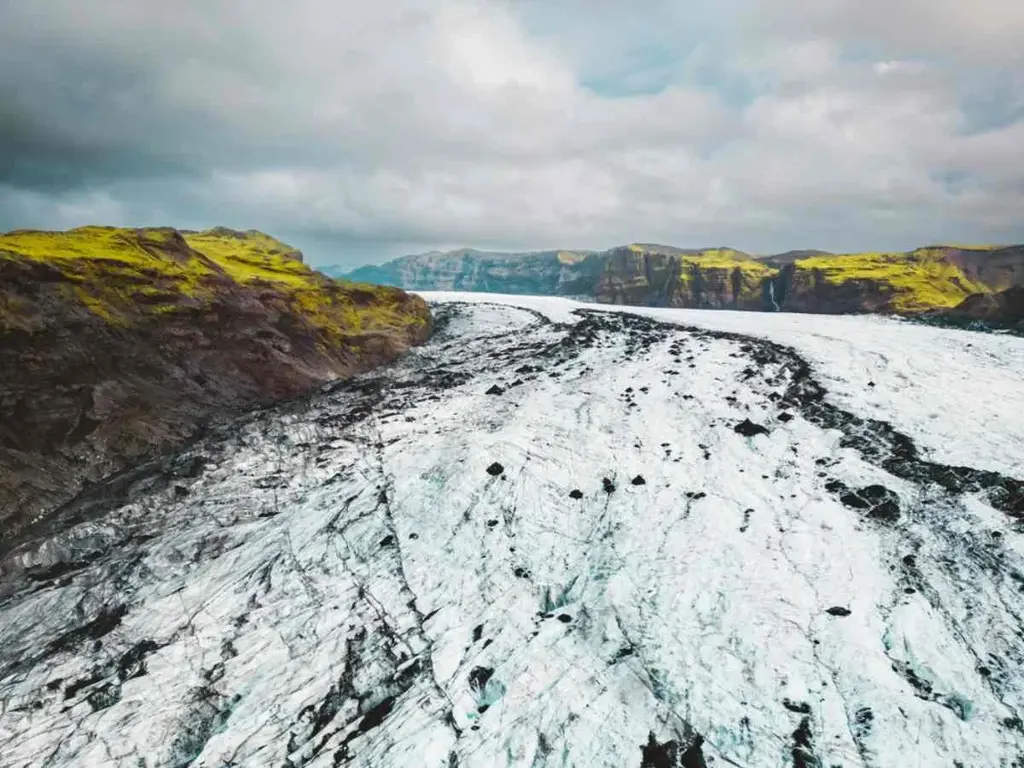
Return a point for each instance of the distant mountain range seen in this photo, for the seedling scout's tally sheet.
(931, 281)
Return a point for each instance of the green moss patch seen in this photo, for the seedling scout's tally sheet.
(122, 275)
(919, 280)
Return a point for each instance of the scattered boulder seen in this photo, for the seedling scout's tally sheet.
(495, 390)
(188, 467)
(747, 428)
(638, 480)
(565, 618)
(881, 503)
(835, 486)
(885, 504)
(800, 707)
(838, 610)
(479, 676)
(576, 493)
(853, 500)
(608, 485)
(495, 469)
(673, 754)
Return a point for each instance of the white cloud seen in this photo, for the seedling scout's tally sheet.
(462, 122)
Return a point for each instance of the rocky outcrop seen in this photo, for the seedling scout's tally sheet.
(996, 268)
(925, 279)
(719, 278)
(119, 344)
(908, 283)
(1003, 310)
(544, 273)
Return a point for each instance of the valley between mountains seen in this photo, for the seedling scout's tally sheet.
(555, 535)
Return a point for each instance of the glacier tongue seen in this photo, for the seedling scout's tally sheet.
(594, 540)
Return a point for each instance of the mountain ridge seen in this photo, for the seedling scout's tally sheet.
(925, 279)
(119, 344)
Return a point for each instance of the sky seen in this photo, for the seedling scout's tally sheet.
(360, 131)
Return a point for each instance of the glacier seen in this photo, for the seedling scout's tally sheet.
(558, 534)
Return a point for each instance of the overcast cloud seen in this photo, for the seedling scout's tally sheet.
(363, 130)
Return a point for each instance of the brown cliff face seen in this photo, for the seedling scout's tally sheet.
(811, 290)
(659, 276)
(997, 268)
(116, 345)
(1004, 309)
(906, 283)
(910, 283)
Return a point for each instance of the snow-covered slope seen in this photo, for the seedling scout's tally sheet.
(555, 537)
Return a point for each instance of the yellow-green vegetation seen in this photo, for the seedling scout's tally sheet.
(720, 268)
(570, 257)
(252, 255)
(103, 267)
(919, 280)
(718, 257)
(121, 274)
(342, 309)
(707, 257)
(717, 260)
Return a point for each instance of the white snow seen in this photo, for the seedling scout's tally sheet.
(331, 579)
(960, 394)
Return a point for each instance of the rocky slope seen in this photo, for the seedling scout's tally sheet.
(937, 277)
(118, 344)
(1002, 310)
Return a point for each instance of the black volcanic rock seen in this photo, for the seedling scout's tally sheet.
(747, 428)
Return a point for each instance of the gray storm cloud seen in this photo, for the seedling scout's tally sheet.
(361, 131)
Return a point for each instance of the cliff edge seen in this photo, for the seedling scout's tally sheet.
(932, 278)
(120, 344)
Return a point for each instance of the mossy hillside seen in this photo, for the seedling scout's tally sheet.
(711, 257)
(252, 255)
(900, 282)
(122, 275)
(918, 280)
(720, 258)
(709, 269)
